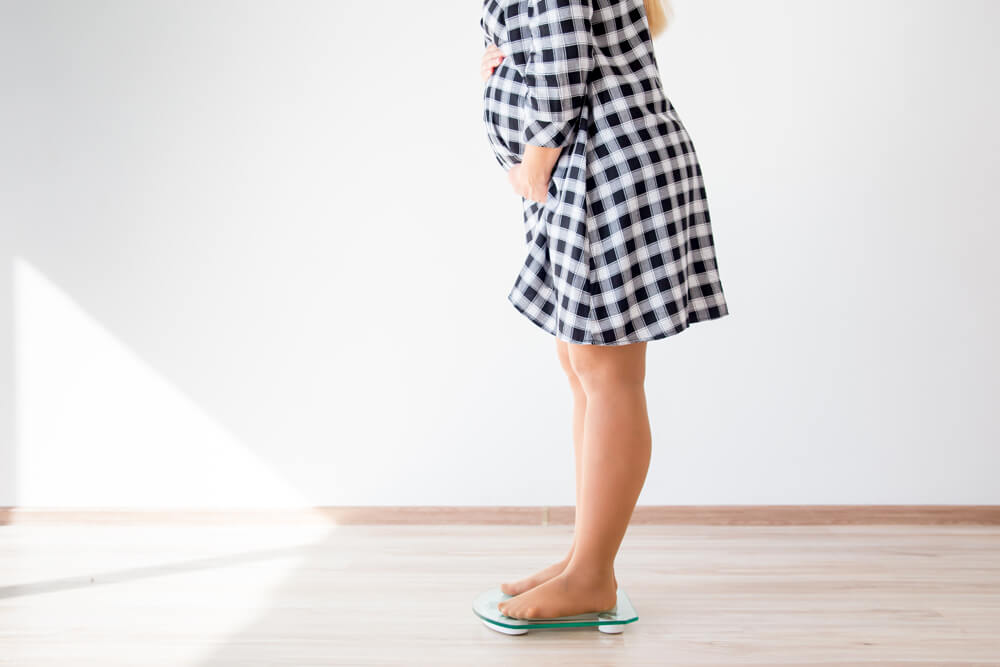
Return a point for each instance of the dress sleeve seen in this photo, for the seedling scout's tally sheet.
(558, 66)
(482, 28)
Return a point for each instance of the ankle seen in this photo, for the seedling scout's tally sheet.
(589, 572)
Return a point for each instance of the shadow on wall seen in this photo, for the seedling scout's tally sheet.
(90, 423)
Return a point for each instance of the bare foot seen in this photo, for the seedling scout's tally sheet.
(540, 577)
(565, 594)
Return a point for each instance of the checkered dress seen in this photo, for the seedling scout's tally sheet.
(622, 249)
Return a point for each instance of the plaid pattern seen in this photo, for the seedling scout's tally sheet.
(622, 250)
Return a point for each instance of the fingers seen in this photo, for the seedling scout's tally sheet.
(491, 58)
(488, 66)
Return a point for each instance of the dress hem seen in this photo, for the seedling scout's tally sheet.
(693, 318)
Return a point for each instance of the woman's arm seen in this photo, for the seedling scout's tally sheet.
(558, 66)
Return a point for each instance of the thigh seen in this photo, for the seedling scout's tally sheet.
(562, 351)
(608, 363)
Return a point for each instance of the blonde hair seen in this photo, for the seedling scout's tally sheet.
(657, 14)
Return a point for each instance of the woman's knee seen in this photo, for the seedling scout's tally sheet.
(598, 366)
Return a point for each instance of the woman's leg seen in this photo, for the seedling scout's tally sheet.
(579, 410)
(616, 454)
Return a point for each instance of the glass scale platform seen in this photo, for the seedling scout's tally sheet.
(611, 621)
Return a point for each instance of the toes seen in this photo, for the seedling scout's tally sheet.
(511, 588)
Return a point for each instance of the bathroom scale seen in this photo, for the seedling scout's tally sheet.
(611, 621)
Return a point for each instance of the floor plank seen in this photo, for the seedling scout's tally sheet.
(401, 595)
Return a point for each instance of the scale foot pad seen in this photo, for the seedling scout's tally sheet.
(612, 621)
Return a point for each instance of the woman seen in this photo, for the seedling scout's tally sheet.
(620, 246)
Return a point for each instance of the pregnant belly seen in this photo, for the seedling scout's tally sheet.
(502, 112)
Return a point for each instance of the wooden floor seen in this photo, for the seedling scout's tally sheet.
(401, 595)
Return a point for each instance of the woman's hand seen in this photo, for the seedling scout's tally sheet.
(529, 184)
(491, 59)
(530, 178)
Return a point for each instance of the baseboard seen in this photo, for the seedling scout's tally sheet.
(716, 515)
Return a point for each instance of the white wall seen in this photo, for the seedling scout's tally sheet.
(257, 253)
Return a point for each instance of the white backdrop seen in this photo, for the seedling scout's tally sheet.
(257, 254)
